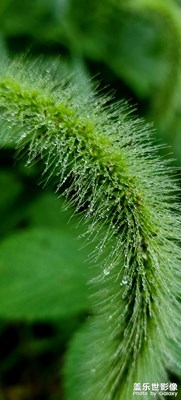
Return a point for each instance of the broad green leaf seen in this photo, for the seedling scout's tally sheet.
(42, 275)
(46, 211)
(135, 50)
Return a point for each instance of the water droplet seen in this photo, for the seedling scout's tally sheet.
(106, 271)
(93, 370)
(124, 281)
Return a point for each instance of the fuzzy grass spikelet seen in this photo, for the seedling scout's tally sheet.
(105, 165)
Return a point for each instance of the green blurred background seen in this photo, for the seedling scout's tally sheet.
(133, 48)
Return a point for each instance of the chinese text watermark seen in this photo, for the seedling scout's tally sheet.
(153, 389)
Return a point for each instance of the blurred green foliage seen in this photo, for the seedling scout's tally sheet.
(136, 52)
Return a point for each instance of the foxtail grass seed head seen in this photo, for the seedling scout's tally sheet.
(105, 164)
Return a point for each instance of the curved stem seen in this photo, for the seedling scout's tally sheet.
(105, 164)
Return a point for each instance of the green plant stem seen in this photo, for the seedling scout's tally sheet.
(104, 164)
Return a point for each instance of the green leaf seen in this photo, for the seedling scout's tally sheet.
(45, 211)
(43, 275)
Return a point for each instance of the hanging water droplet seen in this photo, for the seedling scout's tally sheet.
(106, 271)
(93, 370)
(144, 255)
(124, 281)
